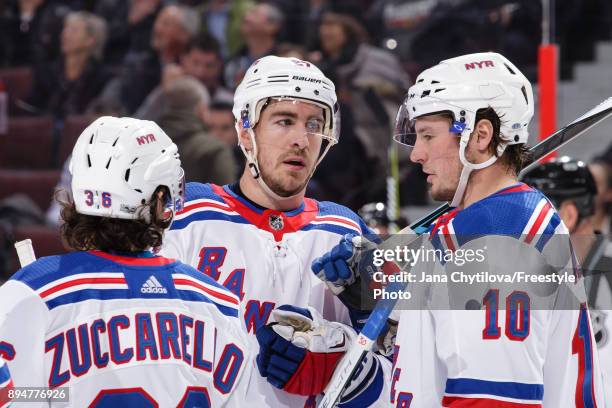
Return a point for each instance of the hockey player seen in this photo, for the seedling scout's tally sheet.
(259, 236)
(115, 324)
(6, 384)
(466, 120)
(570, 186)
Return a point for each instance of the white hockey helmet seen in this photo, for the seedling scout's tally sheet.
(118, 163)
(462, 86)
(287, 79)
(273, 76)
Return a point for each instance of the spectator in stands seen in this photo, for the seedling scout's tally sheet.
(130, 24)
(206, 154)
(259, 29)
(291, 50)
(510, 27)
(68, 85)
(204, 157)
(141, 72)
(347, 177)
(222, 19)
(368, 79)
(601, 169)
(400, 20)
(203, 60)
(30, 31)
(219, 121)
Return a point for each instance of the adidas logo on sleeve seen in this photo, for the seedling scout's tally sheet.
(152, 285)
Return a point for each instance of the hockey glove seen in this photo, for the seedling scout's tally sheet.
(338, 267)
(348, 270)
(300, 351)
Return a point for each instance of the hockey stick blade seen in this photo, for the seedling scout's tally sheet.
(25, 252)
(378, 318)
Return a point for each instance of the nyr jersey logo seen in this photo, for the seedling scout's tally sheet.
(146, 139)
(479, 65)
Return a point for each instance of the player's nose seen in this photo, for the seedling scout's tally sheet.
(417, 153)
(299, 139)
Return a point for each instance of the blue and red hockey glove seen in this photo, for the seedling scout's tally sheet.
(299, 352)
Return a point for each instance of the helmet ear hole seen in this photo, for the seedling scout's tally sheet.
(524, 91)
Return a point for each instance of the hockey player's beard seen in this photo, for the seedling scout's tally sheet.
(278, 187)
(444, 195)
(446, 181)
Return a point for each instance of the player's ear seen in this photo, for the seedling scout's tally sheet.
(569, 214)
(483, 135)
(245, 138)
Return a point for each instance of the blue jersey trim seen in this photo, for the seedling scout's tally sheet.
(244, 202)
(207, 216)
(4, 373)
(114, 294)
(197, 191)
(330, 228)
(507, 389)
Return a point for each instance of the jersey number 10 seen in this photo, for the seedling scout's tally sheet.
(517, 315)
(517, 329)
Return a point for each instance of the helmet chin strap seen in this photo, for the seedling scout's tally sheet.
(468, 167)
(253, 164)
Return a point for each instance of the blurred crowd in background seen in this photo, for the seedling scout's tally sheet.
(65, 62)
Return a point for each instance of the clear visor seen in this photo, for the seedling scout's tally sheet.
(404, 131)
(324, 124)
(405, 125)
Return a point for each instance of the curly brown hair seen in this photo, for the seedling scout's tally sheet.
(87, 232)
(514, 156)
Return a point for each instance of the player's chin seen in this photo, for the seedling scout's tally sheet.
(440, 194)
(289, 186)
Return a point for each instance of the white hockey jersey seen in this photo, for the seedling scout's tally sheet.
(599, 290)
(506, 352)
(119, 331)
(263, 256)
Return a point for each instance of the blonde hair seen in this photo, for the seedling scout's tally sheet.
(95, 27)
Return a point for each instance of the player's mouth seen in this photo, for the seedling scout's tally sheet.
(295, 163)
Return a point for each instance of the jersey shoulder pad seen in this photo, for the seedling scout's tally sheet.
(200, 191)
(333, 217)
(42, 271)
(92, 267)
(203, 203)
(519, 212)
(509, 212)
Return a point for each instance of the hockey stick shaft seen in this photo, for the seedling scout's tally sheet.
(25, 252)
(393, 193)
(378, 318)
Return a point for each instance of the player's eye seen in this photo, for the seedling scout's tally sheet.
(427, 137)
(314, 125)
(285, 122)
